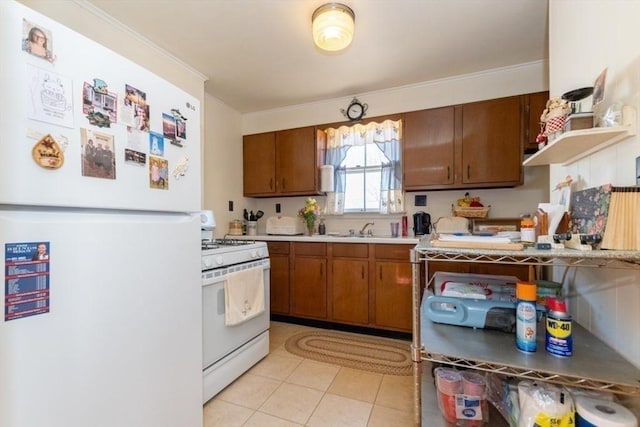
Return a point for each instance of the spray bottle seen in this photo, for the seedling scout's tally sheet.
(526, 317)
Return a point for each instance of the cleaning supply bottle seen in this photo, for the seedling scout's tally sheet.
(526, 317)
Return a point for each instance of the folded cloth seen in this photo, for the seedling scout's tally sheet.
(243, 295)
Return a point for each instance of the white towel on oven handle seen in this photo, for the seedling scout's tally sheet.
(243, 295)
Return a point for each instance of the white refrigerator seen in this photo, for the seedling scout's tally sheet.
(100, 183)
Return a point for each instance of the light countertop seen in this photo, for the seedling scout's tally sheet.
(331, 239)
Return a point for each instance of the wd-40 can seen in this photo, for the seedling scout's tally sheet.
(558, 339)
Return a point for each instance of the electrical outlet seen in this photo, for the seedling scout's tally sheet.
(277, 207)
(230, 205)
(420, 200)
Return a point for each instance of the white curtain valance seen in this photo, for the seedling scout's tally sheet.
(360, 134)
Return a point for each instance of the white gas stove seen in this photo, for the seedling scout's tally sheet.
(225, 252)
(229, 351)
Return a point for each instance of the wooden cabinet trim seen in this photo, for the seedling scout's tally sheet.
(281, 248)
(392, 251)
(350, 250)
(309, 249)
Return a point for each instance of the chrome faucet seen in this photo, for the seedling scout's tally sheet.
(365, 227)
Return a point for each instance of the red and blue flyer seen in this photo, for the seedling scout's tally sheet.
(26, 284)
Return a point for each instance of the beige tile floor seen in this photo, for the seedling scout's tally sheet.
(287, 390)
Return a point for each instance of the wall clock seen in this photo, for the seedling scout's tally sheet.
(355, 111)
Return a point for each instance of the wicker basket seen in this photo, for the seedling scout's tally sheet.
(470, 212)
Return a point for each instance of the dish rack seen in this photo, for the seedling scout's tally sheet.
(470, 212)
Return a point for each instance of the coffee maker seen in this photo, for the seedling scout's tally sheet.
(421, 223)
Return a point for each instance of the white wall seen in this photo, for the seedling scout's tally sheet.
(586, 37)
(525, 78)
(222, 164)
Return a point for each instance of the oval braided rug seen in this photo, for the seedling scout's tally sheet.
(374, 354)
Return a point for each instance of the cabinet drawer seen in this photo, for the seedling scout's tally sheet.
(400, 252)
(350, 250)
(281, 248)
(317, 249)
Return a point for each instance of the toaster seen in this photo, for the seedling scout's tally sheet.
(285, 225)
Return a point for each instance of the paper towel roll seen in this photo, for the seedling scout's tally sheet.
(326, 178)
(602, 413)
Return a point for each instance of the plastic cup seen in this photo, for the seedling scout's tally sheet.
(394, 229)
(473, 383)
(448, 383)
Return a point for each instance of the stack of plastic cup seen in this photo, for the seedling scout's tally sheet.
(474, 385)
(448, 383)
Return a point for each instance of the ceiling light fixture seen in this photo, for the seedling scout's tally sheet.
(333, 26)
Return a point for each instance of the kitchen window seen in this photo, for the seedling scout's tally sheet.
(366, 159)
(363, 172)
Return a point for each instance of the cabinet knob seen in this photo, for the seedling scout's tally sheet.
(271, 184)
(363, 272)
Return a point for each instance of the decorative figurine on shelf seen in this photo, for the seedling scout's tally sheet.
(309, 214)
(552, 120)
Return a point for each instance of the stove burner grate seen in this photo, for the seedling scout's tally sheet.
(216, 243)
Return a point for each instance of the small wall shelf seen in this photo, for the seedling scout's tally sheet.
(573, 145)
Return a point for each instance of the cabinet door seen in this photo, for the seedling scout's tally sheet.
(309, 287)
(492, 142)
(258, 164)
(393, 295)
(535, 104)
(279, 281)
(518, 270)
(350, 291)
(428, 148)
(296, 161)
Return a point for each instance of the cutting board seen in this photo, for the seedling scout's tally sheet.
(478, 245)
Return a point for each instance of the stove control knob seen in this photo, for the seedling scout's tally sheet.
(207, 262)
(253, 254)
(260, 254)
(219, 260)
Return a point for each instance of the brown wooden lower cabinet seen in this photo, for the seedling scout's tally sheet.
(309, 280)
(392, 287)
(393, 295)
(359, 284)
(350, 291)
(279, 284)
(279, 277)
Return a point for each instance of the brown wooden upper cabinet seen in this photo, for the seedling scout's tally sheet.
(259, 164)
(475, 145)
(492, 151)
(534, 103)
(282, 163)
(428, 153)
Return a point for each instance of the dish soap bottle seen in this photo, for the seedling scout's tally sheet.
(321, 227)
